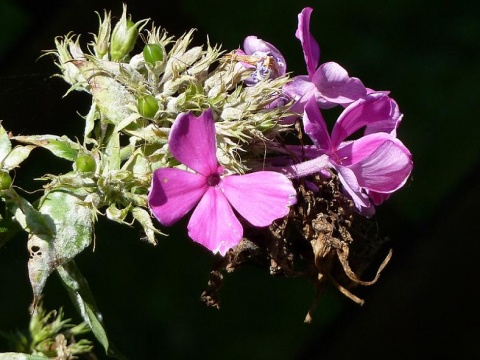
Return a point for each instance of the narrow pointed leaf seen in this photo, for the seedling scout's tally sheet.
(62, 146)
(82, 297)
(112, 157)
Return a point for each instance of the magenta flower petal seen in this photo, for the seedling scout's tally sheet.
(351, 152)
(260, 197)
(386, 169)
(336, 86)
(351, 186)
(378, 198)
(174, 193)
(299, 88)
(252, 44)
(192, 141)
(311, 50)
(377, 111)
(315, 126)
(213, 223)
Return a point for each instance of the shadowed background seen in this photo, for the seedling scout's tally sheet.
(425, 303)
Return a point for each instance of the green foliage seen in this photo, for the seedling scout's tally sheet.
(49, 336)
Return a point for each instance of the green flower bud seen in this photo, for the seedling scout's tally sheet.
(124, 36)
(102, 39)
(85, 163)
(153, 53)
(147, 106)
(5, 180)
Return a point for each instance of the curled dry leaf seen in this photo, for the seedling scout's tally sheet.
(323, 239)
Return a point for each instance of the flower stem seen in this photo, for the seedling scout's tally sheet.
(303, 169)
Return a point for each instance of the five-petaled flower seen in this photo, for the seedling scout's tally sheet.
(328, 83)
(260, 197)
(372, 167)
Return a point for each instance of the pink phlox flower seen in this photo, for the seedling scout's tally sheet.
(259, 197)
(328, 83)
(266, 60)
(372, 167)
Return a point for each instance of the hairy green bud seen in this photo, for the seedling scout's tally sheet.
(124, 36)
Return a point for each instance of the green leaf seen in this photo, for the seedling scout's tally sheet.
(30, 219)
(5, 143)
(73, 225)
(90, 122)
(144, 218)
(137, 163)
(118, 215)
(16, 156)
(62, 147)
(112, 159)
(111, 97)
(81, 296)
(9, 158)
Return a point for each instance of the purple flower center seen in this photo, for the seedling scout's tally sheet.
(213, 179)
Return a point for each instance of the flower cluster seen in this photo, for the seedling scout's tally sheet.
(177, 129)
(203, 131)
(370, 168)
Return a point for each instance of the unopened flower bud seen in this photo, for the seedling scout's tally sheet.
(85, 163)
(5, 180)
(153, 53)
(147, 106)
(124, 36)
(103, 37)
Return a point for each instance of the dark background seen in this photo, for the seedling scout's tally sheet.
(426, 302)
